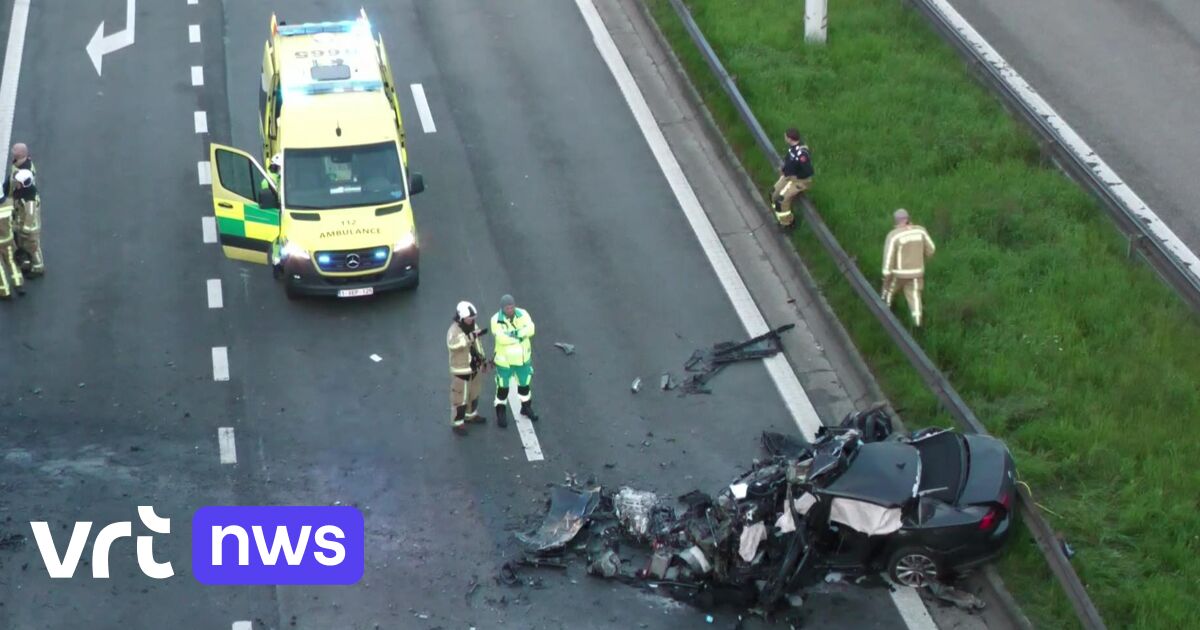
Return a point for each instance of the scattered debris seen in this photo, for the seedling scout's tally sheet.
(788, 523)
(955, 596)
(565, 347)
(507, 575)
(705, 364)
(568, 510)
(637, 384)
(12, 542)
(665, 383)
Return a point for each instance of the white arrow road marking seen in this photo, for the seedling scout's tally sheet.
(228, 448)
(102, 45)
(12, 69)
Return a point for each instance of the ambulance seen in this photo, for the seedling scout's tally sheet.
(332, 213)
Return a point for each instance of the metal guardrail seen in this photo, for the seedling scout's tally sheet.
(1141, 239)
(949, 398)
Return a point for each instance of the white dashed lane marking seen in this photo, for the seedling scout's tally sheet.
(201, 121)
(237, 622)
(423, 108)
(209, 225)
(203, 174)
(220, 361)
(194, 33)
(215, 299)
(529, 439)
(228, 450)
(197, 75)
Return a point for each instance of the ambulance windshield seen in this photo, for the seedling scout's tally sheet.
(342, 177)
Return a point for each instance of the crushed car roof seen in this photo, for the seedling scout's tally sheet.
(883, 473)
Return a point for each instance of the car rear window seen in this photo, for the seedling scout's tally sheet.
(942, 465)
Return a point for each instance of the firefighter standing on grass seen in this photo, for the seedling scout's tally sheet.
(512, 328)
(467, 364)
(904, 253)
(795, 176)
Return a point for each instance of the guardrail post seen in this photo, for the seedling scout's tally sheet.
(816, 17)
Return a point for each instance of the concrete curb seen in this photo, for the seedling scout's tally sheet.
(866, 390)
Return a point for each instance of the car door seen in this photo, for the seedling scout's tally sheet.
(268, 102)
(389, 84)
(247, 214)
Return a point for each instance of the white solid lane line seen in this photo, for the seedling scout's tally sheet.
(203, 173)
(12, 69)
(201, 121)
(794, 396)
(529, 439)
(209, 225)
(235, 624)
(194, 33)
(228, 448)
(220, 360)
(423, 108)
(197, 75)
(215, 299)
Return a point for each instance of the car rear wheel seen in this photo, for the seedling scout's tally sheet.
(913, 566)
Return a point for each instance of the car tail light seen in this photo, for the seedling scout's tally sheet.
(996, 513)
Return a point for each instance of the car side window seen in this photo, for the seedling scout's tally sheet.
(236, 174)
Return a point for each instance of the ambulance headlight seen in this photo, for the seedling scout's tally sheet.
(407, 241)
(291, 250)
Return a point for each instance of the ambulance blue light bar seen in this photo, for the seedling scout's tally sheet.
(342, 26)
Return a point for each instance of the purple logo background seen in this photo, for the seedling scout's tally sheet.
(309, 570)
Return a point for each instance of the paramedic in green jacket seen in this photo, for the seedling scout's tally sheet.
(512, 329)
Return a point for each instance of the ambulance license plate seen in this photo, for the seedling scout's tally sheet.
(356, 292)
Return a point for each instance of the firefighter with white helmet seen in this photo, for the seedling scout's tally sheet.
(904, 253)
(467, 364)
(27, 219)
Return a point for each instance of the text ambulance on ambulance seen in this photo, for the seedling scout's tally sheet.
(334, 216)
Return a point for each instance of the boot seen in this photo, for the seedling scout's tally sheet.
(473, 413)
(457, 424)
(527, 411)
(502, 416)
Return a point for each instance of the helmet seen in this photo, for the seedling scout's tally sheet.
(24, 177)
(464, 310)
(276, 162)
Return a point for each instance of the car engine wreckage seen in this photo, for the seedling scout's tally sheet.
(755, 546)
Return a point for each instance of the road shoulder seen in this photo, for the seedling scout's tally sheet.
(819, 349)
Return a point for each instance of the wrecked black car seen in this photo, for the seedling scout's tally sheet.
(859, 500)
(920, 507)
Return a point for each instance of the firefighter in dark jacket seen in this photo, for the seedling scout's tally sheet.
(467, 364)
(794, 177)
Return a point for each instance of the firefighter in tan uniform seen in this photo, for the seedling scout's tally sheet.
(20, 188)
(467, 364)
(795, 176)
(11, 278)
(904, 253)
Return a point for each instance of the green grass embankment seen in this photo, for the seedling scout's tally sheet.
(1085, 363)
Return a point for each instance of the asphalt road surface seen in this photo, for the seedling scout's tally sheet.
(1125, 75)
(539, 184)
